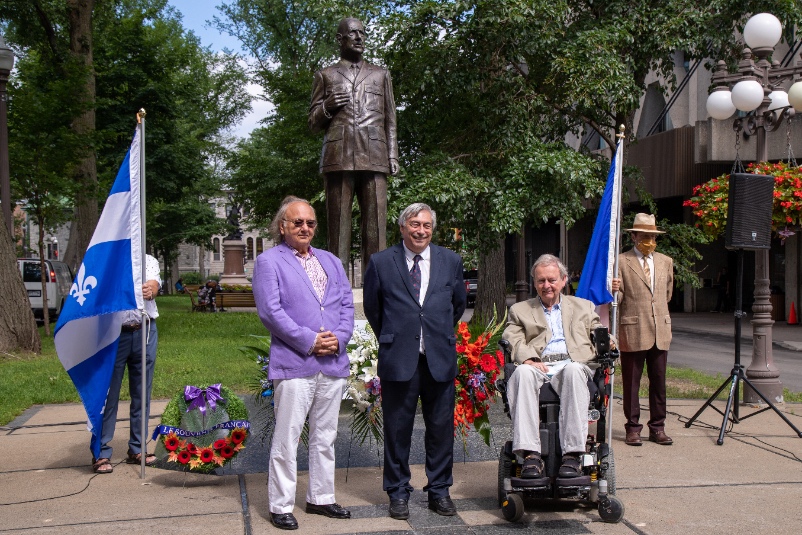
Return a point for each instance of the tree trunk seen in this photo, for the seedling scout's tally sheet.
(17, 324)
(202, 261)
(492, 288)
(43, 272)
(85, 174)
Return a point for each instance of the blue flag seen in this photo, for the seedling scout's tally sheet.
(595, 283)
(109, 282)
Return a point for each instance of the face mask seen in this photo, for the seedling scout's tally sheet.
(646, 246)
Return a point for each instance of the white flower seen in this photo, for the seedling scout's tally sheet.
(369, 372)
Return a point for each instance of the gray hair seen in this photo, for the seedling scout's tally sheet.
(278, 221)
(414, 209)
(549, 260)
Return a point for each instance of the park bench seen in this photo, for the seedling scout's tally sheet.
(195, 306)
(235, 299)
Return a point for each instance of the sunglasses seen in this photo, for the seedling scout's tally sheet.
(298, 223)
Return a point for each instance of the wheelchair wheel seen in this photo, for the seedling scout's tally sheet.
(611, 509)
(513, 507)
(609, 474)
(504, 471)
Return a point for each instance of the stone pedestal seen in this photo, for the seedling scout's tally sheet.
(233, 267)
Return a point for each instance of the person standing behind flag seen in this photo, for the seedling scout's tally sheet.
(644, 286)
(129, 354)
(304, 298)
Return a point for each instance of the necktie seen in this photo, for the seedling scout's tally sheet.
(647, 271)
(414, 274)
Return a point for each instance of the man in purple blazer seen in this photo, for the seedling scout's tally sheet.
(304, 299)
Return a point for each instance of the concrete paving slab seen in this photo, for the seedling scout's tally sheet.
(751, 483)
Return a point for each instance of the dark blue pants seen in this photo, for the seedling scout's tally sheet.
(129, 355)
(399, 402)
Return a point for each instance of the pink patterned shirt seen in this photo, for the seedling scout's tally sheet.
(314, 271)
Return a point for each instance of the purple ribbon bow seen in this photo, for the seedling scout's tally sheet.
(197, 397)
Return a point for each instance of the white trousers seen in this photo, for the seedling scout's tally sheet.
(319, 396)
(571, 384)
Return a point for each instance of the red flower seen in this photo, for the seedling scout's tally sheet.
(219, 444)
(227, 452)
(184, 457)
(207, 455)
(237, 436)
(171, 442)
(192, 448)
(488, 363)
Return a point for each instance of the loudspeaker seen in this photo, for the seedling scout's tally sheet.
(749, 213)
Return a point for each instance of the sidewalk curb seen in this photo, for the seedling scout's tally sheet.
(782, 344)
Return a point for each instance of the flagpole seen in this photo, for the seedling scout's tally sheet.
(140, 118)
(619, 163)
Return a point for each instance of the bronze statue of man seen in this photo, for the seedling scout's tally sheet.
(353, 102)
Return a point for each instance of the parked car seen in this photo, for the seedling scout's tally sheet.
(471, 278)
(59, 281)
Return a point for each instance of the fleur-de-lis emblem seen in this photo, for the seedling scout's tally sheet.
(81, 288)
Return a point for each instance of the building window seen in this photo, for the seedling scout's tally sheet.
(260, 246)
(216, 245)
(250, 248)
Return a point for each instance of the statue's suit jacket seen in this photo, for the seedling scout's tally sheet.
(360, 136)
(397, 318)
(529, 333)
(644, 318)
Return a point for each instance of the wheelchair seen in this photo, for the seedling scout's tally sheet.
(597, 484)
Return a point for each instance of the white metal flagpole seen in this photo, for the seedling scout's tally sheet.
(140, 117)
(619, 164)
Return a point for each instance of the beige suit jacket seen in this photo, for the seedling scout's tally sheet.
(528, 329)
(644, 319)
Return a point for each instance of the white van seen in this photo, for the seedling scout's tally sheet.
(59, 281)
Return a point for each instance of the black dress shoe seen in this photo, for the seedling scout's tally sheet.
(443, 506)
(284, 520)
(332, 510)
(399, 509)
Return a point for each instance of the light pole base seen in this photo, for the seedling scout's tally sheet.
(772, 389)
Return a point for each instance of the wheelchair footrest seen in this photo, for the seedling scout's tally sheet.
(520, 482)
(582, 481)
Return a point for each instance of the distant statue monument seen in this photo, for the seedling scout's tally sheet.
(353, 102)
(233, 221)
(234, 250)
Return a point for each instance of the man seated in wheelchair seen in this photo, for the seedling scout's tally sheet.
(550, 339)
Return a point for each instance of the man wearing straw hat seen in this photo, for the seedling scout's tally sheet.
(644, 285)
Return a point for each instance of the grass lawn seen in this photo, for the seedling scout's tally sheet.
(197, 348)
(194, 348)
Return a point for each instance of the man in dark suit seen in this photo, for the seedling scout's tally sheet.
(414, 296)
(353, 102)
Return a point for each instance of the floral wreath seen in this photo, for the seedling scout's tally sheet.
(195, 450)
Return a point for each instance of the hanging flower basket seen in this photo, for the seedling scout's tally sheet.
(709, 200)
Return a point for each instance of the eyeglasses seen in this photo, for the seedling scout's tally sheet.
(418, 224)
(298, 223)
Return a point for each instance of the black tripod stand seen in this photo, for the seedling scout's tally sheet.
(737, 374)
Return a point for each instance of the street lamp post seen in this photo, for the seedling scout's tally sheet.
(6, 64)
(756, 87)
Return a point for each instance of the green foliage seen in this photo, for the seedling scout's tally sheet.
(142, 58)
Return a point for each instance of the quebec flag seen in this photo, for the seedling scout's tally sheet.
(108, 283)
(595, 283)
